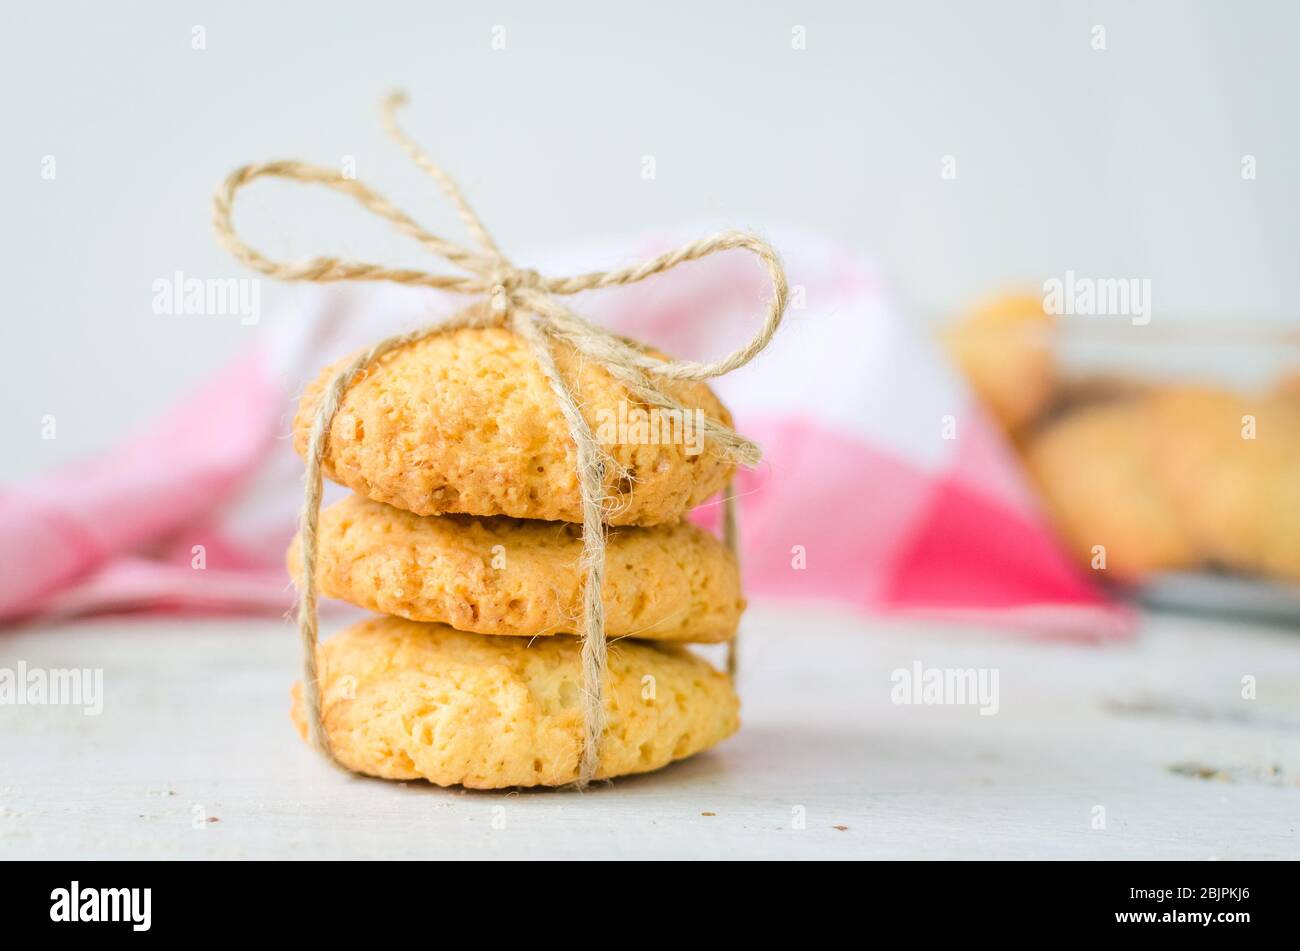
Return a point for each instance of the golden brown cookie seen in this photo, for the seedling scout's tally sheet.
(1004, 348)
(403, 700)
(1094, 473)
(1231, 464)
(465, 422)
(501, 575)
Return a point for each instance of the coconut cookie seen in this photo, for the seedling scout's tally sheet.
(1004, 348)
(500, 575)
(403, 700)
(465, 422)
(1231, 462)
(1094, 472)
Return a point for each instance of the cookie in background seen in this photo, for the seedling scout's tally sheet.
(1005, 347)
(1141, 476)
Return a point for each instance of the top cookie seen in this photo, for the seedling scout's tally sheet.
(465, 422)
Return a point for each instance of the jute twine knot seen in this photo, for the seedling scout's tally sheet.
(524, 301)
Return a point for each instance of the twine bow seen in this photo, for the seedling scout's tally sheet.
(523, 300)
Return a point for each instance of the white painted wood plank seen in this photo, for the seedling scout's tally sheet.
(195, 724)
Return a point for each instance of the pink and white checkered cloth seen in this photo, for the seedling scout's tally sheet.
(860, 500)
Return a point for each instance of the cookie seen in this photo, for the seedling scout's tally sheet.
(1095, 475)
(1004, 348)
(404, 700)
(498, 575)
(1231, 463)
(465, 422)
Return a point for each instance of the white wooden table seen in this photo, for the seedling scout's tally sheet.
(193, 755)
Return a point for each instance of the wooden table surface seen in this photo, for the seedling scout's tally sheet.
(193, 755)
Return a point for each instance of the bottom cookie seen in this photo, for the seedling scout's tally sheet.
(406, 700)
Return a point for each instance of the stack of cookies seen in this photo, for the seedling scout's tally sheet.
(463, 531)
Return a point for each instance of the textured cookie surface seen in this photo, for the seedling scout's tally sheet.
(404, 700)
(465, 422)
(498, 575)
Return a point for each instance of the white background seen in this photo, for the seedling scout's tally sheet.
(1123, 162)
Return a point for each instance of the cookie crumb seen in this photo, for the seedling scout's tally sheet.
(708, 813)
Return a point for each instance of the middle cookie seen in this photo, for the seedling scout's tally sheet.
(498, 575)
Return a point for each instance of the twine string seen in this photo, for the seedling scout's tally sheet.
(523, 301)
